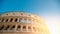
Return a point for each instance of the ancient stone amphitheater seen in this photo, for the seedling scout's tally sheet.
(22, 23)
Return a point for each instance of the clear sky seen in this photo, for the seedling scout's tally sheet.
(48, 9)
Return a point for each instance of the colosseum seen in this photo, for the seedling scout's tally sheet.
(22, 23)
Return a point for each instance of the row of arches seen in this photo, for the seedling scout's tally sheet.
(16, 20)
(24, 20)
(18, 28)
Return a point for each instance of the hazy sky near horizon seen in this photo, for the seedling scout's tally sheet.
(48, 9)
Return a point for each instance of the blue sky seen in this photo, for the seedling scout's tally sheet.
(48, 9)
(31, 6)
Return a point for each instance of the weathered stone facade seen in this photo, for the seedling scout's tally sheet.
(22, 23)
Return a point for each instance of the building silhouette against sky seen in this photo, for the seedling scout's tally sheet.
(22, 23)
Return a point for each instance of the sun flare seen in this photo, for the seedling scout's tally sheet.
(52, 23)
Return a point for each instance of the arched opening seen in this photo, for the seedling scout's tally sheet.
(24, 28)
(25, 20)
(6, 20)
(16, 20)
(18, 27)
(1, 27)
(12, 27)
(2, 20)
(7, 27)
(29, 28)
(29, 21)
(20, 20)
(34, 29)
(11, 19)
